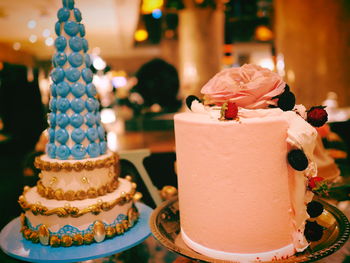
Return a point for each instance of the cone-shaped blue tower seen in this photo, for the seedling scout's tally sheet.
(75, 130)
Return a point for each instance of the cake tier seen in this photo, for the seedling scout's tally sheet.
(78, 222)
(77, 180)
(233, 183)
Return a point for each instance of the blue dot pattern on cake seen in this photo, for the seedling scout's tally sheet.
(75, 130)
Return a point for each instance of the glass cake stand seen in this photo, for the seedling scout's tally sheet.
(165, 226)
(14, 245)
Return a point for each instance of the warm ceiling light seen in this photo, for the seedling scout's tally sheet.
(49, 41)
(16, 46)
(141, 35)
(46, 32)
(263, 33)
(149, 5)
(31, 24)
(33, 38)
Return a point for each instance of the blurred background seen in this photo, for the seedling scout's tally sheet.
(149, 55)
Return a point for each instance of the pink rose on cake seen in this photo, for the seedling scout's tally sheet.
(249, 86)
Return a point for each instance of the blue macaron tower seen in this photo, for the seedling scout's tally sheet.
(79, 198)
(75, 129)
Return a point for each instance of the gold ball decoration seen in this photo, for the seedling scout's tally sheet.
(119, 229)
(89, 165)
(168, 192)
(40, 175)
(137, 196)
(55, 241)
(110, 232)
(102, 190)
(67, 167)
(69, 195)
(92, 193)
(26, 233)
(78, 240)
(81, 195)
(129, 178)
(125, 224)
(66, 241)
(100, 164)
(78, 166)
(34, 237)
(50, 193)
(55, 167)
(99, 231)
(59, 194)
(26, 188)
(88, 238)
(44, 235)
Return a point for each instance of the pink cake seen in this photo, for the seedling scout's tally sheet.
(240, 197)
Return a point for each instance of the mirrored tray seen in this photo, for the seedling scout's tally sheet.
(165, 226)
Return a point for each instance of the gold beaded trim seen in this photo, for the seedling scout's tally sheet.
(68, 210)
(71, 195)
(100, 232)
(78, 165)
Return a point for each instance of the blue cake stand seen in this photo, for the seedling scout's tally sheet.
(14, 245)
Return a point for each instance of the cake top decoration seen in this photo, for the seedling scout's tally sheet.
(249, 86)
(75, 130)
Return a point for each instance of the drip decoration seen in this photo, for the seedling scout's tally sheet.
(72, 236)
(39, 209)
(72, 80)
(71, 195)
(78, 166)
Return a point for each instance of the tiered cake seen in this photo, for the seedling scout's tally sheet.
(79, 198)
(246, 171)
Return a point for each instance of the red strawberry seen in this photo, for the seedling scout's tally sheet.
(229, 110)
(317, 116)
(314, 181)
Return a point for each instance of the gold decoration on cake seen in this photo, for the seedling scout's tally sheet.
(53, 180)
(99, 231)
(66, 241)
(119, 229)
(168, 192)
(111, 160)
(129, 178)
(55, 241)
(37, 209)
(34, 237)
(88, 238)
(137, 196)
(59, 194)
(44, 235)
(78, 240)
(110, 232)
(85, 180)
(71, 195)
(40, 175)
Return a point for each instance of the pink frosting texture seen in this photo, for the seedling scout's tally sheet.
(249, 86)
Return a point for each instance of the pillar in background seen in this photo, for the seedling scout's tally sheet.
(314, 38)
(201, 32)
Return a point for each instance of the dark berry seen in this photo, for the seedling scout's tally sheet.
(286, 100)
(190, 99)
(314, 209)
(313, 231)
(298, 160)
(317, 116)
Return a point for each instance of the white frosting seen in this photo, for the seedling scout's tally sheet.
(238, 257)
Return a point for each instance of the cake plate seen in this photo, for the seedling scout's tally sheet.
(13, 244)
(165, 226)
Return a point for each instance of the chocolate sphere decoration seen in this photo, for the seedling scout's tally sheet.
(297, 159)
(286, 100)
(314, 209)
(313, 231)
(190, 99)
(317, 116)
